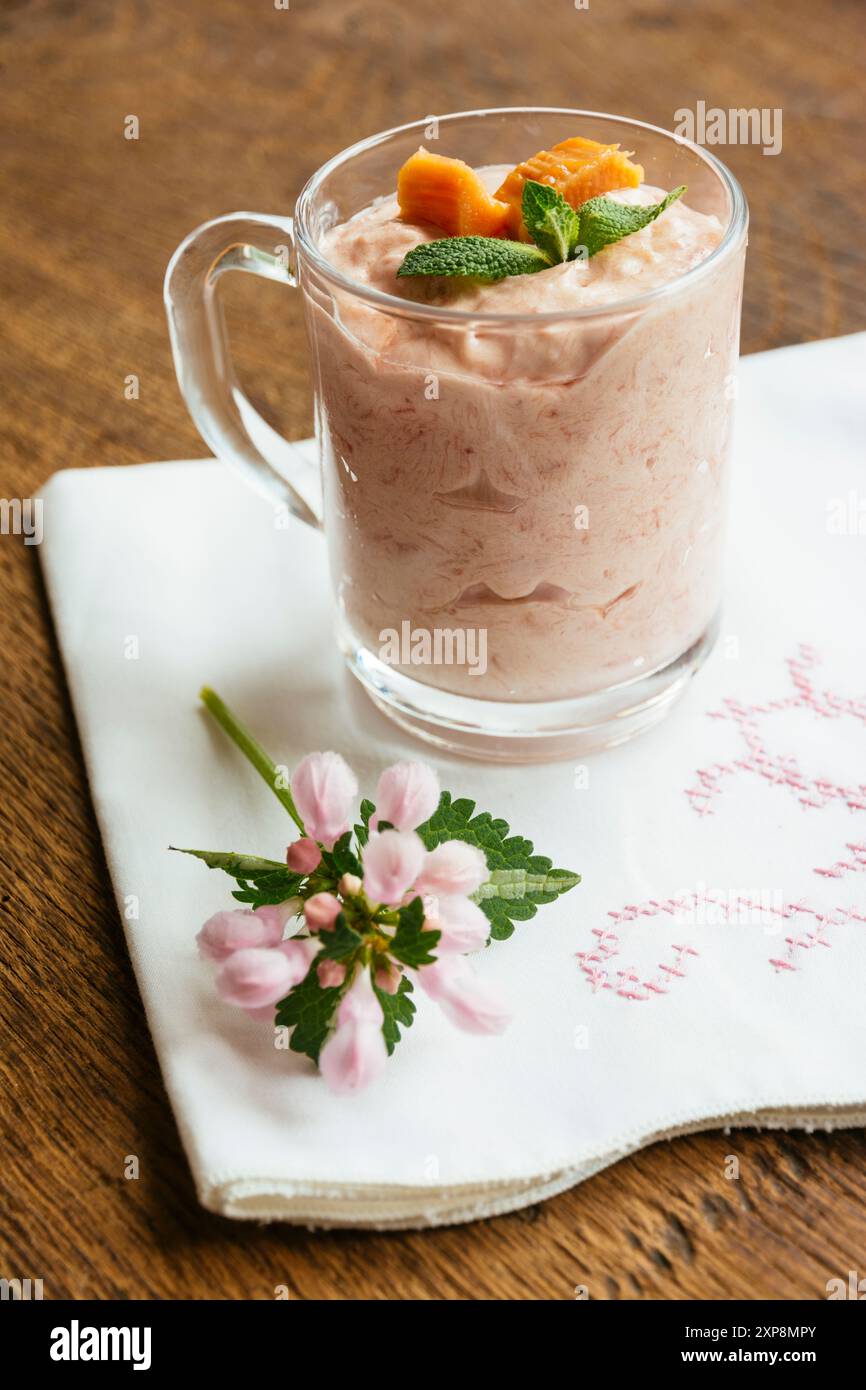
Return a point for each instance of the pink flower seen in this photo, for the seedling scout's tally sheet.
(320, 911)
(392, 862)
(462, 924)
(237, 928)
(303, 856)
(299, 952)
(324, 788)
(355, 1053)
(453, 868)
(331, 973)
(278, 914)
(253, 977)
(407, 795)
(473, 1005)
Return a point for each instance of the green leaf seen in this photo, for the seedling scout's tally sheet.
(340, 942)
(603, 221)
(260, 881)
(513, 895)
(517, 884)
(270, 889)
(552, 223)
(342, 859)
(411, 943)
(398, 1012)
(238, 865)
(476, 257)
(362, 831)
(520, 880)
(308, 1009)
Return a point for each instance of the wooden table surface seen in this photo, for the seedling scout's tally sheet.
(238, 102)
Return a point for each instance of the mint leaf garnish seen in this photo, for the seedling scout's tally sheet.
(398, 1012)
(475, 257)
(260, 881)
(520, 880)
(603, 221)
(410, 943)
(559, 233)
(308, 1009)
(552, 223)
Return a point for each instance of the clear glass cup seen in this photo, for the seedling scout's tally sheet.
(525, 514)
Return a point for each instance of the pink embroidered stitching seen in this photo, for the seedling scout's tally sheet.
(783, 770)
(812, 793)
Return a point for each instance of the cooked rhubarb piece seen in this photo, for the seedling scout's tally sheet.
(579, 169)
(448, 193)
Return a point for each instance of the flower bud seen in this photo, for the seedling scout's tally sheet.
(303, 856)
(235, 929)
(320, 911)
(331, 973)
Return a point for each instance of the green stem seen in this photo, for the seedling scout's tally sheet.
(251, 749)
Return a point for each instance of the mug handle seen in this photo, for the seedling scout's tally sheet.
(229, 425)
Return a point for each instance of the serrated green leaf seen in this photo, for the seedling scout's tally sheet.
(340, 942)
(362, 831)
(342, 858)
(412, 943)
(308, 1009)
(475, 257)
(516, 884)
(520, 880)
(552, 223)
(604, 221)
(260, 881)
(398, 1011)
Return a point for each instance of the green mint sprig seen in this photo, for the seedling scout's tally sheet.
(552, 223)
(559, 233)
(603, 221)
(484, 258)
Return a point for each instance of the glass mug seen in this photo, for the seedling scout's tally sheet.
(524, 513)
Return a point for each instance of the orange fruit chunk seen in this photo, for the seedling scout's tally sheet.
(579, 169)
(448, 193)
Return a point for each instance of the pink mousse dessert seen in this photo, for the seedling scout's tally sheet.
(555, 478)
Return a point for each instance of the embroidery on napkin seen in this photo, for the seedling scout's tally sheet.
(809, 926)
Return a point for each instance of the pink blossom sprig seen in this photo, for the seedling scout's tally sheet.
(333, 941)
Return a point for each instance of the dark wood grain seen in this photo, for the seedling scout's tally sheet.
(238, 103)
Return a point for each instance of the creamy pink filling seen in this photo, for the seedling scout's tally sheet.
(560, 486)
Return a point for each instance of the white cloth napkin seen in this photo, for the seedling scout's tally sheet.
(634, 1019)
